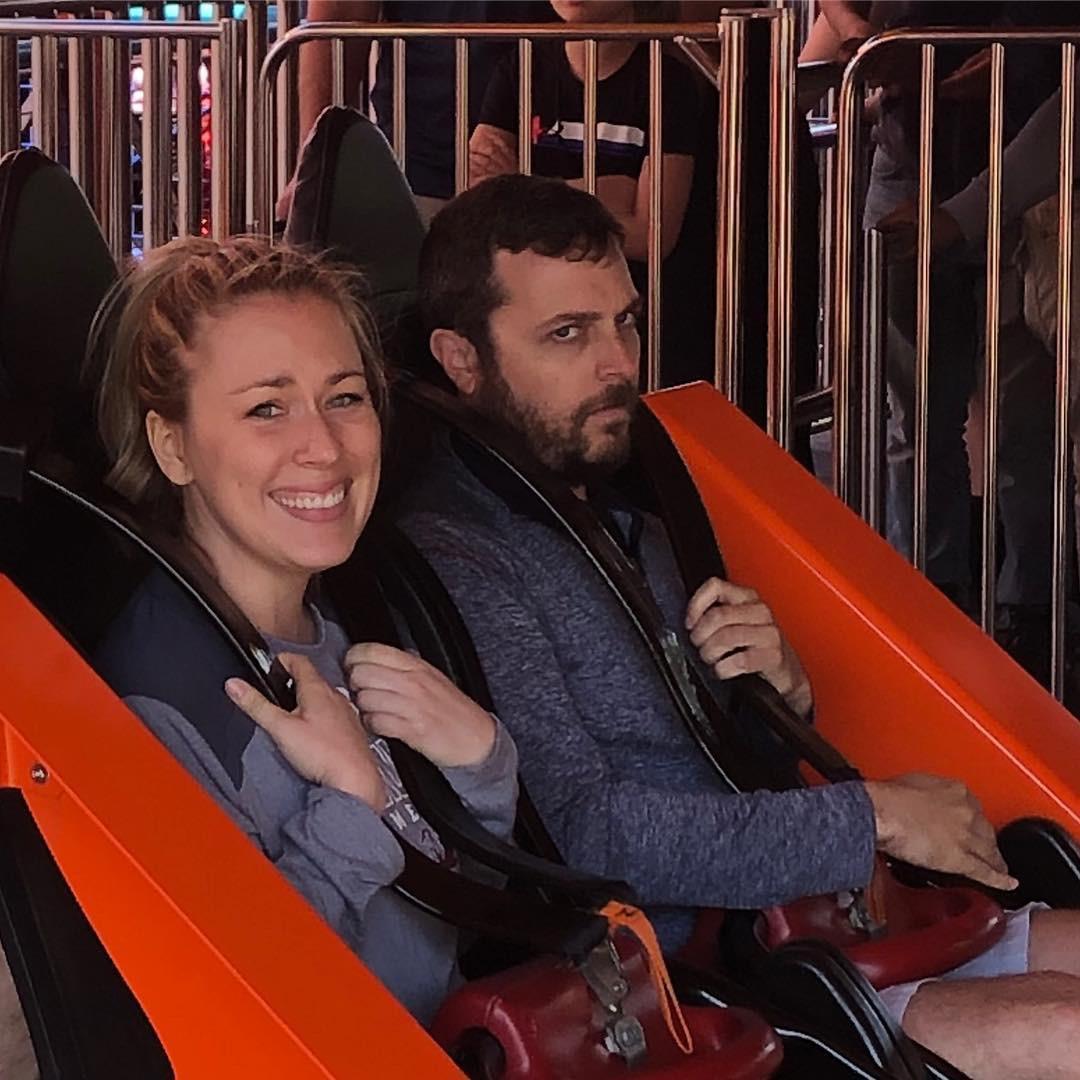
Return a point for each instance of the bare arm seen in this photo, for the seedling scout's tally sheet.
(492, 152)
(316, 74)
(629, 202)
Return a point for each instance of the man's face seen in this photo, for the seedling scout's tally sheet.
(565, 368)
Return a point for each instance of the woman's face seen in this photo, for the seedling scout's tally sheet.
(279, 453)
(597, 11)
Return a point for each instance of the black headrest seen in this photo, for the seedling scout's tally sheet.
(352, 197)
(55, 269)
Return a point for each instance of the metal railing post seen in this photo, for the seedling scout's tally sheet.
(227, 195)
(656, 206)
(1066, 196)
(45, 83)
(780, 374)
(10, 121)
(156, 142)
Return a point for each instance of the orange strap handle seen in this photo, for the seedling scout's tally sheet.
(633, 919)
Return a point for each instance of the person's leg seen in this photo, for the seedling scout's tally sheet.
(1019, 1027)
(1054, 944)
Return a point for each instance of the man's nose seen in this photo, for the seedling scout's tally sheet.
(620, 358)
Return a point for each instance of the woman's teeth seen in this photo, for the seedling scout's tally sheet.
(305, 501)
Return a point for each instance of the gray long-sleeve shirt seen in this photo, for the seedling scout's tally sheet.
(620, 784)
(334, 848)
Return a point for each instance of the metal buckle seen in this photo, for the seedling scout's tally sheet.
(859, 914)
(623, 1034)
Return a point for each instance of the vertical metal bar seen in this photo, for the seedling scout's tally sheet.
(80, 61)
(226, 195)
(461, 115)
(525, 94)
(116, 162)
(871, 383)
(589, 145)
(288, 99)
(44, 81)
(264, 138)
(922, 299)
(781, 387)
(993, 333)
(840, 326)
(189, 157)
(828, 238)
(399, 100)
(156, 142)
(729, 214)
(337, 71)
(10, 122)
(255, 45)
(656, 209)
(1064, 390)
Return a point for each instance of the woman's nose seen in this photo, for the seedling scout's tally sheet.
(317, 445)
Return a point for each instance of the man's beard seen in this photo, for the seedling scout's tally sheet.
(563, 448)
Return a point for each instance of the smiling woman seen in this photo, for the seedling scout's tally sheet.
(241, 408)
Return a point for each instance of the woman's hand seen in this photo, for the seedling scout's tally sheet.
(322, 738)
(736, 634)
(403, 697)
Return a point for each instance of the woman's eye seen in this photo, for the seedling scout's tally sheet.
(566, 333)
(345, 401)
(266, 410)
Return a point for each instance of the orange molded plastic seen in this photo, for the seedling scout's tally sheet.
(903, 680)
(237, 974)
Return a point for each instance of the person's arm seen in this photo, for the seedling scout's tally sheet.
(316, 64)
(672, 846)
(490, 788)
(677, 180)
(335, 850)
(493, 144)
(1029, 173)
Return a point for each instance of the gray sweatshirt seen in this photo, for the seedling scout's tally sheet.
(337, 851)
(620, 784)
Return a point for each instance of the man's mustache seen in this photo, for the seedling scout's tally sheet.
(622, 395)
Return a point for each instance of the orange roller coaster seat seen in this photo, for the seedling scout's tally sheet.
(903, 680)
(236, 973)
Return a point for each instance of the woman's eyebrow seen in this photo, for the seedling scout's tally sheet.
(275, 382)
(341, 376)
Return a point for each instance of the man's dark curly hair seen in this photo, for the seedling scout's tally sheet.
(458, 290)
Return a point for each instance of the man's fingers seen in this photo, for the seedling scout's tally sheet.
(716, 591)
(246, 698)
(372, 702)
(757, 644)
(746, 662)
(720, 616)
(368, 676)
(979, 870)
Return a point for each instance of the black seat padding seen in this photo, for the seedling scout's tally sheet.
(55, 269)
(352, 199)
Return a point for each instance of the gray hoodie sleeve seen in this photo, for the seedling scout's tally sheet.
(1029, 173)
(490, 788)
(335, 850)
(672, 846)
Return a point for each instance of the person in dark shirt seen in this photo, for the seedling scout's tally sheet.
(429, 76)
(622, 114)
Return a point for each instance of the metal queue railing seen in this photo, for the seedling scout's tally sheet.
(274, 158)
(99, 117)
(856, 353)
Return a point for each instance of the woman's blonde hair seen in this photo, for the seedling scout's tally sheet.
(153, 315)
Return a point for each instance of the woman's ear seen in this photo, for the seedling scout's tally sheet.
(458, 358)
(166, 440)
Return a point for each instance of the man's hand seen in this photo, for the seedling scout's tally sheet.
(403, 697)
(900, 229)
(492, 152)
(322, 738)
(939, 825)
(736, 634)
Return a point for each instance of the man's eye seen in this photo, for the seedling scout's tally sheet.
(266, 410)
(566, 333)
(626, 320)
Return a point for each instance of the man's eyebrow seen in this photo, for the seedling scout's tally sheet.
(279, 382)
(573, 316)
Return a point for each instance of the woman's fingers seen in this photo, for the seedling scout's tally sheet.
(720, 616)
(246, 698)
